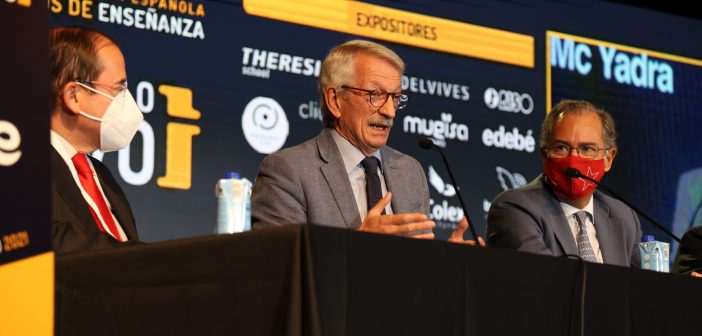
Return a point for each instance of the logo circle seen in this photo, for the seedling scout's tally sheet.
(265, 125)
(508, 101)
(265, 117)
(492, 98)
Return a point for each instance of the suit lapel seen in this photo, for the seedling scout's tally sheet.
(561, 229)
(607, 235)
(66, 187)
(395, 181)
(120, 206)
(337, 179)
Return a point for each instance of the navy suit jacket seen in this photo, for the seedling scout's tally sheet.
(530, 219)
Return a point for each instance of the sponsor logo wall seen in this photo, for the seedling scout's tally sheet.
(224, 83)
(506, 180)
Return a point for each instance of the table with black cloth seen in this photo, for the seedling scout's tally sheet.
(309, 280)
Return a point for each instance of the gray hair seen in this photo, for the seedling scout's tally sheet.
(339, 68)
(567, 106)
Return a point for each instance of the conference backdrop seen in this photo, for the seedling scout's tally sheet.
(224, 83)
(26, 259)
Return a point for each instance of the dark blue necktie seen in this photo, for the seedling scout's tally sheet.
(374, 192)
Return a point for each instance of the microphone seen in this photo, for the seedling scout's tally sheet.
(575, 173)
(427, 143)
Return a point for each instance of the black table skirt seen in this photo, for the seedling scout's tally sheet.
(308, 280)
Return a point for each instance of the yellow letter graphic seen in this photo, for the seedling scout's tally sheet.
(179, 102)
(179, 147)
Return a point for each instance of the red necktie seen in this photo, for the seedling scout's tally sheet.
(85, 175)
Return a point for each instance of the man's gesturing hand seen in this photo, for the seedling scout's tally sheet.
(415, 225)
(457, 235)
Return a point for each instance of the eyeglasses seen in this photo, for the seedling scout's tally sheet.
(115, 90)
(562, 150)
(378, 98)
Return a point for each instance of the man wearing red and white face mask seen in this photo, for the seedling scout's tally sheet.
(563, 216)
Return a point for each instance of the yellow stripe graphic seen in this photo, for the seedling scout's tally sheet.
(403, 27)
(27, 296)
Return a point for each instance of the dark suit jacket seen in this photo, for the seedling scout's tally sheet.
(74, 228)
(689, 257)
(531, 219)
(308, 183)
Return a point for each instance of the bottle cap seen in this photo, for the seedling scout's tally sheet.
(647, 238)
(232, 175)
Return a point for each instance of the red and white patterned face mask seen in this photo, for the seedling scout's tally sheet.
(573, 188)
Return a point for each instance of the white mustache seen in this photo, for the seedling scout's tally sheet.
(386, 122)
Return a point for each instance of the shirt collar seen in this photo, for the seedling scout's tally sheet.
(351, 155)
(62, 146)
(570, 210)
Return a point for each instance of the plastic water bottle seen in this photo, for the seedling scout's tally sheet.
(655, 255)
(233, 204)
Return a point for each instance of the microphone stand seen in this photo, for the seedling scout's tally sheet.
(574, 173)
(427, 143)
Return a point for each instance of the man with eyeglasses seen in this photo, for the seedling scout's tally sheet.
(347, 177)
(91, 109)
(561, 216)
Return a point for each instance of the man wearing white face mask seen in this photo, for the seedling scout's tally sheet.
(91, 109)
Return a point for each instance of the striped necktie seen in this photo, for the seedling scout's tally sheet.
(586, 252)
(87, 180)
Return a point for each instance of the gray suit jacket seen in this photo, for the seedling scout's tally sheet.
(308, 183)
(530, 219)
